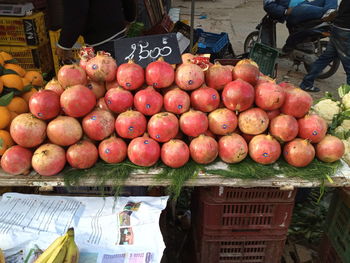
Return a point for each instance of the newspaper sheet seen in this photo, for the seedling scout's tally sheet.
(107, 229)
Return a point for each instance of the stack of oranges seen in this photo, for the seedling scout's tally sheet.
(19, 79)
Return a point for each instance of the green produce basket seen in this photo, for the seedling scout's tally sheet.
(265, 57)
(338, 224)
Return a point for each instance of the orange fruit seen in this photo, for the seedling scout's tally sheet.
(13, 115)
(12, 81)
(35, 78)
(2, 61)
(5, 141)
(6, 56)
(18, 105)
(25, 82)
(20, 71)
(26, 96)
(1, 86)
(5, 117)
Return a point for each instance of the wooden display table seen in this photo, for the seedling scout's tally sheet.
(340, 179)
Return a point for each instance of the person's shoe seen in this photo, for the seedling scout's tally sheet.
(329, 15)
(310, 89)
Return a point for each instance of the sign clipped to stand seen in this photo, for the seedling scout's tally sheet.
(146, 49)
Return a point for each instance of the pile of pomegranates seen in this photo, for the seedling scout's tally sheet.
(101, 110)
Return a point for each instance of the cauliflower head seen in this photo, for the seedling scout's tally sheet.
(346, 125)
(327, 109)
(346, 101)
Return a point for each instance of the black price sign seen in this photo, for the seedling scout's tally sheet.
(146, 49)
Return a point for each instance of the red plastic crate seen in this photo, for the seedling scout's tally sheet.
(327, 252)
(242, 217)
(239, 249)
(257, 194)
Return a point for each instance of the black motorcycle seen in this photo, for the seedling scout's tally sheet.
(306, 42)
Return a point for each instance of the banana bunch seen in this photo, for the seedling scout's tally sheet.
(62, 250)
(2, 257)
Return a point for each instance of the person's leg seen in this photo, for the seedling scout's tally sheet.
(304, 12)
(342, 45)
(318, 66)
(325, 4)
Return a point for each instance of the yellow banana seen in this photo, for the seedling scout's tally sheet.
(44, 257)
(59, 253)
(72, 255)
(2, 257)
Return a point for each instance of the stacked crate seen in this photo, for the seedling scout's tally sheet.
(338, 225)
(241, 225)
(25, 38)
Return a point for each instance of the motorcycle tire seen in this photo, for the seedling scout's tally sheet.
(250, 40)
(332, 67)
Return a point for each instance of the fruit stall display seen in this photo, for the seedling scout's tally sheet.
(186, 115)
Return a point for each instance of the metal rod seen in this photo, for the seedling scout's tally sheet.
(192, 24)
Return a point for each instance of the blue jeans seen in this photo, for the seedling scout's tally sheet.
(310, 10)
(338, 46)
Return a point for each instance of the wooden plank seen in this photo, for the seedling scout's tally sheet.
(140, 179)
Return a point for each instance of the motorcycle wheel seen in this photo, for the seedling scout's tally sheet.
(331, 69)
(250, 40)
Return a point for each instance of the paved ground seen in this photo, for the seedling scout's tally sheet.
(238, 18)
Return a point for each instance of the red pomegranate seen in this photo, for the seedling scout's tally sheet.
(238, 95)
(205, 99)
(232, 148)
(82, 155)
(222, 121)
(45, 104)
(299, 152)
(189, 76)
(102, 105)
(27, 130)
(175, 153)
(269, 96)
(49, 159)
(193, 123)
(253, 121)
(98, 124)
(264, 79)
(163, 126)
(148, 101)
(159, 74)
(330, 149)
(112, 150)
(64, 131)
(101, 68)
(246, 72)
(272, 114)
(187, 57)
(218, 76)
(247, 61)
(16, 160)
(284, 128)
(312, 127)
(118, 99)
(71, 75)
(176, 101)
(55, 86)
(130, 75)
(204, 149)
(297, 103)
(286, 85)
(77, 101)
(264, 149)
(98, 88)
(112, 84)
(130, 124)
(143, 151)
